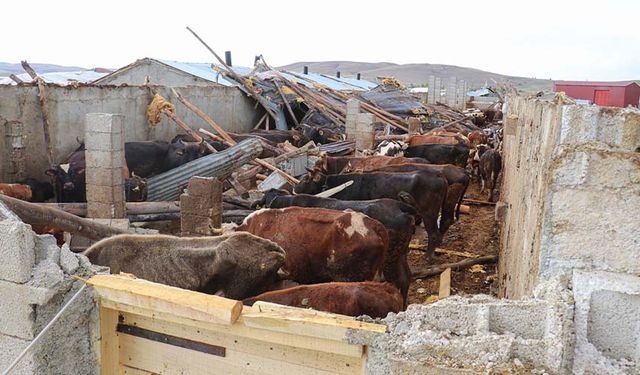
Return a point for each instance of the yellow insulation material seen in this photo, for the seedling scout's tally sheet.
(155, 108)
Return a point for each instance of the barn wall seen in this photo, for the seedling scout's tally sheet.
(69, 105)
(570, 190)
(158, 74)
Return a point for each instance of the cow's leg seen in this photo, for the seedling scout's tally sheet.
(433, 233)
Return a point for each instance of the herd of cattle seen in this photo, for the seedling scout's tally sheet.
(346, 254)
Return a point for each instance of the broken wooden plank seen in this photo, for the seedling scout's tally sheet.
(203, 116)
(444, 289)
(454, 266)
(477, 202)
(167, 299)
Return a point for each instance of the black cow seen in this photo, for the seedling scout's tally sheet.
(40, 191)
(440, 154)
(150, 158)
(457, 180)
(70, 185)
(425, 191)
(396, 216)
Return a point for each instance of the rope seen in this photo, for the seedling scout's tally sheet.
(44, 330)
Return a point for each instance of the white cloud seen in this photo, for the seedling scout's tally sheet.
(546, 39)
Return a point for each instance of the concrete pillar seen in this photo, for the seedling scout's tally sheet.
(365, 131)
(414, 125)
(431, 95)
(438, 87)
(452, 87)
(104, 143)
(353, 108)
(201, 207)
(461, 95)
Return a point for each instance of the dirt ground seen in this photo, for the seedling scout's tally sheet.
(474, 233)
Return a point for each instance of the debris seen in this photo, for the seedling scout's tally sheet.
(157, 106)
(444, 289)
(477, 268)
(454, 266)
(421, 291)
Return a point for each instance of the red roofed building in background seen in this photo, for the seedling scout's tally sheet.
(612, 94)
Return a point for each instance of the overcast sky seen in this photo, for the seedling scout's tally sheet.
(595, 40)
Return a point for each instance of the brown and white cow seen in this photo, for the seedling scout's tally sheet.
(354, 299)
(18, 191)
(323, 245)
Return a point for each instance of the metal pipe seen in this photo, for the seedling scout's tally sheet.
(305, 70)
(227, 57)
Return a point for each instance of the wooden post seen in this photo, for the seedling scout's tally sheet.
(414, 125)
(44, 107)
(201, 207)
(445, 284)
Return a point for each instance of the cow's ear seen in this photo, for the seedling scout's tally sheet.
(50, 172)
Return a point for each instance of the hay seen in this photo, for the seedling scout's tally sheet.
(155, 108)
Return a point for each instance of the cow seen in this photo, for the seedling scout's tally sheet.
(323, 245)
(426, 192)
(490, 167)
(477, 137)
(354, 299)
(143, 159)
(428, 139)
(440, 154)
(135, 189)
(276, 136)
(390, 148)
(150, 158)
(40, 191)
(397, 217)
(347, 164)
(457, 181)
(236, 265)
(18, 191)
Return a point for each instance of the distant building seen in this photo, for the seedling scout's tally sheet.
(612, 94)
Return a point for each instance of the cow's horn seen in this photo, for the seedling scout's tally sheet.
(282, 274)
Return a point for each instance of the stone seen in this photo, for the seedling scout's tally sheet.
(68, 260)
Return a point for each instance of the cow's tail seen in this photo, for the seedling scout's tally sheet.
(464, 191)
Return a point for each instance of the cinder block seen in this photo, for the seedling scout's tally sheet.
(104, 123)
(526, 320)
(17, 250)
(105, 159)
(462, 319)
(103, 142)
(104, 176)
(16, 311)
(195, 204)
(46, 249)
(11, 348)
(204, 186)
(613, 325)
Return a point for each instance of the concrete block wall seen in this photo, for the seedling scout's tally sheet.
(571, 183)
(477, 335)
(35, 282)
(68, 106)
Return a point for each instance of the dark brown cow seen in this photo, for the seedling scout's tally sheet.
(323, 245)
(237, 265)
(18, 191)
(457, 181)
(354, 299)
(425, 191)
(490, 167)
(348, 164)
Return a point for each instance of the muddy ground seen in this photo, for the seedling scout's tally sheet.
(474, 233)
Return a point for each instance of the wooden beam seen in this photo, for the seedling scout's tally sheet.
(286, 103)
(454, 266)
(444, 289)
(33, 213)
(189, 131)
(44, 108)
(158, 297)
(15, 78)
(479, 203)
(203, 116)
(109, 343)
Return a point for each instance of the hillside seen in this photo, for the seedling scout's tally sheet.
(8, 68)
(417, 74)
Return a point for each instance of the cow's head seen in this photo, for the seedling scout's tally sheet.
(248, 266)
(182, 152)
(311, 183)
(135, 189)
(66, 175)
(267, 198)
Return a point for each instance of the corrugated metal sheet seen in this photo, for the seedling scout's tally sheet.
(205, 71)
(168, 186)
(61, 78)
